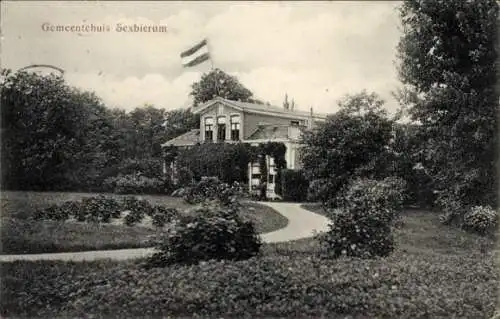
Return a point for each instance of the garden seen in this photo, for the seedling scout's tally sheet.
(212, 264)
(413, 206)
(49, 222)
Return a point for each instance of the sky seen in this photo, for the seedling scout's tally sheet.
(316, 52)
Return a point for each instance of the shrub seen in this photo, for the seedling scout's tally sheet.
(453, 209)
(132, 217)
(362, 225)
(481, 220)
(52, 212)
(294, 185)
(185, 177)
(210, 189)
(136, 184)
(162, 215)
(133, 203)
(136, 210)
(211, 233)
(89, 209)
(413, 286)
(98, 209)
(385, 196)
(320, 190)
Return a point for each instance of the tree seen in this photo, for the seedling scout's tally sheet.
(179, 121)
(447, 65)
(148, 123)
(53, 136)
(217, 83)
(346, 144)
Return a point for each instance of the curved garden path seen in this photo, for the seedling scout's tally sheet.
(302, 223)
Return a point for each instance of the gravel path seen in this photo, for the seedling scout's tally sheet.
(301, 224)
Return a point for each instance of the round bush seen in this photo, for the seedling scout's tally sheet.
(162, 215)
(362, 225)
(53, 212)
(137, 205)
(98, 209)
(212, 233)
(481, 220)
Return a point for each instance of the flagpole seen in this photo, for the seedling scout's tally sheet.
(209, 47)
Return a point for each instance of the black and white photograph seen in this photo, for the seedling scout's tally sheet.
(250, 159)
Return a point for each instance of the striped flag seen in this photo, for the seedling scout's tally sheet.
(196, 55)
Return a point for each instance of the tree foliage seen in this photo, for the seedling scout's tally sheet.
(217, 83)
(56, 137)
(347, 142)
(447, 65)
(53, 136)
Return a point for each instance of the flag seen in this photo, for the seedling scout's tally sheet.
(196, 55)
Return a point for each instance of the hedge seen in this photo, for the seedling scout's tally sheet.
(409, 286)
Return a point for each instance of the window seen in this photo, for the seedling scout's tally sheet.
(295, 123)
(209, 129)
(221, 128)
(235, 127)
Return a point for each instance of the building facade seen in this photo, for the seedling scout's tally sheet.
(227, 121)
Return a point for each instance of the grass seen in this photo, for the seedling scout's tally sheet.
(422, 232)
(20, 234)
(436, 272)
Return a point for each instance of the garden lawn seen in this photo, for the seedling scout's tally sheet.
(437, 272)
(20, 234)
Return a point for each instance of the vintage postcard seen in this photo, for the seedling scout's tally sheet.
(249, 159)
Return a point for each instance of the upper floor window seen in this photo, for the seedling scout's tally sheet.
(235, 127)
(209, 129)
(221, 128)
(295, 123)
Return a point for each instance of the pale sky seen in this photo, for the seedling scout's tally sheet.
(314, 51)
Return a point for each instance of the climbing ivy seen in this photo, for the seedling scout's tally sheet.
(229, 162)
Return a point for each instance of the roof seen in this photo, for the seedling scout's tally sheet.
(269, 132)
(187, 139)
(260, 108)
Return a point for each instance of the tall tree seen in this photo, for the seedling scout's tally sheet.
(217, 83)
(53, 136)
(447, 64)
(346, 145)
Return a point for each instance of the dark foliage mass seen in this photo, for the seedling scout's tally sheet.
(212, 232)
(362, 226)
(280, 286)
(217, 83)
(352, 143)
(293, 185)
(212, 189)
(55, 137)
(102, 209)
(448, 67)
